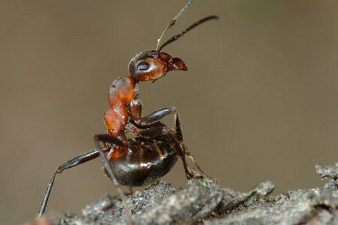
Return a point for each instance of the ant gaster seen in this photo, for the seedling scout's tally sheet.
(138, 150)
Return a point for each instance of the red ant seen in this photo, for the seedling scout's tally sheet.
(138, 150)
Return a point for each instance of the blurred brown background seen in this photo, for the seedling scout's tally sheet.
(258, 102)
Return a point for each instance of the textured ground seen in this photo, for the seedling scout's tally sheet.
(205, 202)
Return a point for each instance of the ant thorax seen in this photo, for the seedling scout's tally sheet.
(121, 92)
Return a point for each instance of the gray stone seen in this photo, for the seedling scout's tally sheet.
(206, 202)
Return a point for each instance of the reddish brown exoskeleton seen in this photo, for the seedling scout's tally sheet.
(137, 150)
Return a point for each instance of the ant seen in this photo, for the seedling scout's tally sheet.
(138, 150)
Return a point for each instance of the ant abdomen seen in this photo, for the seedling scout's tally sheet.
(144, 160)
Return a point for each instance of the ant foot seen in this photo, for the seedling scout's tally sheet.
(192, 176)
(198, 177)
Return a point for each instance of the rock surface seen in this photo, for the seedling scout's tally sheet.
(206, 202)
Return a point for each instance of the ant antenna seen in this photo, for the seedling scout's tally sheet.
(177, 36)
(173, 22)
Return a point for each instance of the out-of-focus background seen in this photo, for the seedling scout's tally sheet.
(259, 101)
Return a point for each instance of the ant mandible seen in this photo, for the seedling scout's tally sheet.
(138, 150)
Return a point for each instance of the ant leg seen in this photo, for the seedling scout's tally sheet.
(69, 164)
(152, 130)
(112, 140)
(178, 129)
(157, 130)
(131, 191)
(181, 153)
(142, 122)
(180, 147)
(192, 158)
(179, 137)
(107, 138)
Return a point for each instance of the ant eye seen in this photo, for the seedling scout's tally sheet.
(143, 66)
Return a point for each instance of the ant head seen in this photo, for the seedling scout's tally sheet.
(152, 65)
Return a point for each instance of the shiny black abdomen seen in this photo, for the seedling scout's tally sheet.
(145, 161)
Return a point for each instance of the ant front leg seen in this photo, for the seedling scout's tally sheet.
(135, 109)
(107, 138)
(156, 116)
(69, 164)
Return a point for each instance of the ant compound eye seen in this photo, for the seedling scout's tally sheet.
(143, 66)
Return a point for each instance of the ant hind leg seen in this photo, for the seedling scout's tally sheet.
(67, 165)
